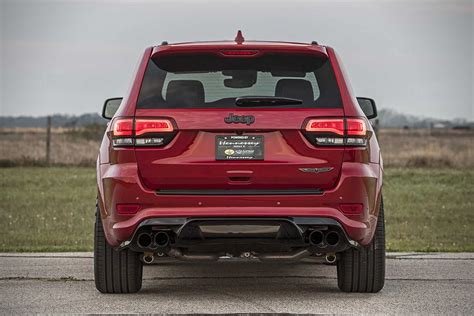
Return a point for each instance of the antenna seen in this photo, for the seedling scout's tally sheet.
(239, 39)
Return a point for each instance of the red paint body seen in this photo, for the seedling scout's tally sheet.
(132, 175)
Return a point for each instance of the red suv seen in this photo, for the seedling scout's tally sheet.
(239, 149)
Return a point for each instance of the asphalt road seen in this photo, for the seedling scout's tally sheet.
(59, 283)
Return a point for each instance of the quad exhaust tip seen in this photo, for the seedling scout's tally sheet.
(144, 240)
(316, 238)
(332, 238)
(162, 239)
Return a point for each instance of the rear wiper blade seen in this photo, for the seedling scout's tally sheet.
(266, 101)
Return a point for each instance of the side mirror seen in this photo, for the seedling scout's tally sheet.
(110, 107)
(368, 107)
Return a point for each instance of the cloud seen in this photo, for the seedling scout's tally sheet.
(67, 57)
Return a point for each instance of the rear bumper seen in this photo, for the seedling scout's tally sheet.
(354, 229)
(358, 183)
(265, 238)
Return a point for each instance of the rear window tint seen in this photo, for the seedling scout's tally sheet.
(214, 81)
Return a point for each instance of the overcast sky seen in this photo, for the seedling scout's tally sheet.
(68, 56)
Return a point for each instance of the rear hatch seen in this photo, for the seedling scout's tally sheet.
(231, 123)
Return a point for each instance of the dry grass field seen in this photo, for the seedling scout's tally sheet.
(400, 148)
(427, 148)
(27, 147)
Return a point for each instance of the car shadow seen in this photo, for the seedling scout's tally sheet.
(234, 277)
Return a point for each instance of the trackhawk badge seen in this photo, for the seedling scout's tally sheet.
(316, 170)
(244, 119)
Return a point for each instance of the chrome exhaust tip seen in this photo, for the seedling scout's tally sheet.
(316, 238)
(144, 240)
(162, 239)
(332, 238)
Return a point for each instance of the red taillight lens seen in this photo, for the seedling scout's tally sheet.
(335, 126)
(356, 127)
(122, 132)
(337, 131)
(127, 132)
(143, 126)
(123, 127)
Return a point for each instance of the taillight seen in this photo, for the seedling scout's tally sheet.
(356, 127)
(152, 126)
(335, 126)
(337, 131)
(123, 127)
(122, 132)
(141, 132)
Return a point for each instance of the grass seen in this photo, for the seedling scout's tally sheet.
(27, 147)
(429, 209)
(52, 209)
(427, 148)
(47, 209)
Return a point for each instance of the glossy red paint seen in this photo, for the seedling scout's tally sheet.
(261, 47)
(357, 184)
(131, 176)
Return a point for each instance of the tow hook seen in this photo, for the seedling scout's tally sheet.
(148, 257)
(247, 255)
(331, 257)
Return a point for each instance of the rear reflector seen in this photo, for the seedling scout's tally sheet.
(127, 209)
(352, 209)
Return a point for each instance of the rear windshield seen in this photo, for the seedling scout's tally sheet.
(214, 81)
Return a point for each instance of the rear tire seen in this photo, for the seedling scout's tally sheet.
(114, 271)
(363, 270)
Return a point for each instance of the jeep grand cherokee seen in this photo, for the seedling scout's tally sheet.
(239, 149)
